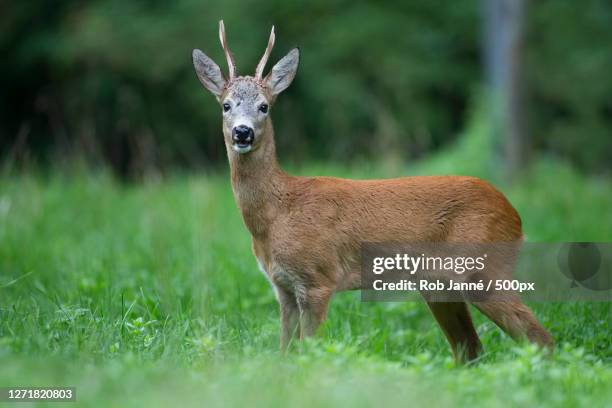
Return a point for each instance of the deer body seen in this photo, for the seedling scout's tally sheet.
(307, 231)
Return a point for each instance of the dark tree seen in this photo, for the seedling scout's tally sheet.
(504, 21)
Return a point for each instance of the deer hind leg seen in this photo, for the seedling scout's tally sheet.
(456, 323)
(517, 320)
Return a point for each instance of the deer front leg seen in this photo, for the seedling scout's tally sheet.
(289, 318)
(313, 304)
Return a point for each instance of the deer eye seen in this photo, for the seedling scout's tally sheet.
(226, 107)
(263, 108)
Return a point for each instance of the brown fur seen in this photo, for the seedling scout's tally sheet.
(307, 231)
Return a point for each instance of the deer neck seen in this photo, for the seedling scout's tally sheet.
(258, 184)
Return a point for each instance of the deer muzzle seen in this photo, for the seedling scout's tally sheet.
(242, 138)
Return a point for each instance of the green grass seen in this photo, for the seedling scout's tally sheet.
(143, 295)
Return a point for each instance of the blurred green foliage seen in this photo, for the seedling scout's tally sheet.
(569, 61)
(112, 80)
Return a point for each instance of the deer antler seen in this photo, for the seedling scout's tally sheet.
(264, 59)
(228, 55)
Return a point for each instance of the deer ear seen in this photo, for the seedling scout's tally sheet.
(208, 72)
(283, 72)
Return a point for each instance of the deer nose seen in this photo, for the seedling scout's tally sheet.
(242, 135)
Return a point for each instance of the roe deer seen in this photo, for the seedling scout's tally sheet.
(306, 231)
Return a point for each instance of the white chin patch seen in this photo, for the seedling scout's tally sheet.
(242, 150)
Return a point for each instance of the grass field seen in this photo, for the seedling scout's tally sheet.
(148, 295)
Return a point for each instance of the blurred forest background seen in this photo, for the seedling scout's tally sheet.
(111, 81)
(125, 265)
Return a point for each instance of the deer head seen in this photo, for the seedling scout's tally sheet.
(245, 100)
